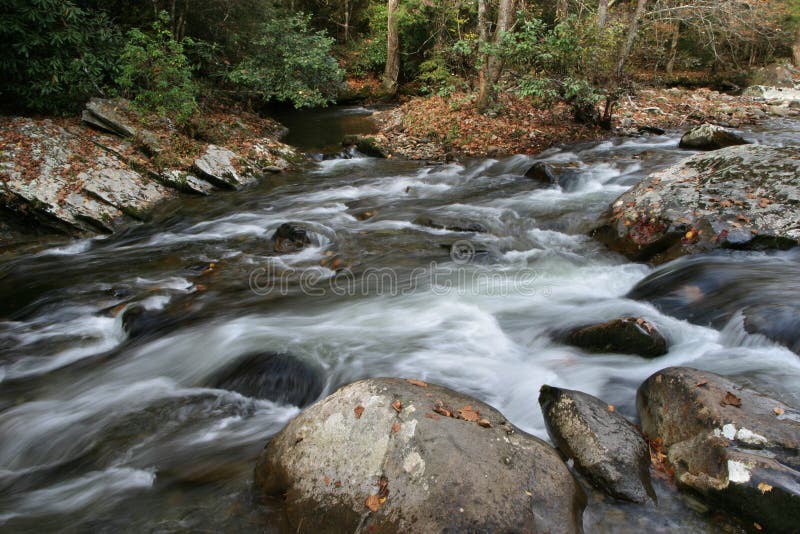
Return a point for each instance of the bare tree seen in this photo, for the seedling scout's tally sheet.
(562, 10)
(633, 31)
(602, 13)
(392, 70)
(492, 64)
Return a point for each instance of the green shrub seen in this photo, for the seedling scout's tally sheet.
(156, 74)
(55, 54)
(290, 63)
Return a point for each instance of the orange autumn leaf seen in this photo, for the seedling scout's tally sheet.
(731, 400)
(373, 503)
(468, 414)
(416, 382)
(358, 411)
(398, 406)
(395, 428)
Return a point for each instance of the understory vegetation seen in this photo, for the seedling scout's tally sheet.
(168, 56)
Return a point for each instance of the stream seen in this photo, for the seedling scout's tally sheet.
(106, 431)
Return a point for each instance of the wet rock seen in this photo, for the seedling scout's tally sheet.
(653, 130)
(775, 75)
(451, 224)
(370, 145)
(710, 289)
(377, 457)
(291, 237)
(627, 335)
(106, 115)
(710, 137)
(737, 448)
(606, 448)
(280, 378)
(123, 188)
(217, 166)
(542, 172)
(141, 322)
(772, 93)
(185, 182)
(738, 197)
(364, 215)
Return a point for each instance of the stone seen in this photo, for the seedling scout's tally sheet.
(735, 447)
(106, 115)
(216, 166)
(451, 224)
(382, 455)
(710, 137)
(742, 197)
(627, 335)
(775, 75)
(185, 182)
(370, 145)
(280, 378)
(291, 237)
(542, 172)
(606, 448)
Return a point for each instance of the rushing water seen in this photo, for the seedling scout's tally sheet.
(100, 431)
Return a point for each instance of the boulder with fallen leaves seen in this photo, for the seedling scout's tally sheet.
(734, 446)
(378, 456)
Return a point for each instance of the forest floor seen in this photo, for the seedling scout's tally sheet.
(444, 127)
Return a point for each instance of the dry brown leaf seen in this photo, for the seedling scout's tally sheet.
(395, 428)
(373, 503)
(398, 406)
(416, 382)
(731, 400)
(702, 383)
(358, 411)
(337, 484)
(485, 423)
(611, 408)
(468, 414)
(778, 410)
(763, 487)
(326, 480)
(432, 416)
(758, 527)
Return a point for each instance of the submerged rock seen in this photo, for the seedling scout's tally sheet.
(739, 197)
(606, 448)
(291, 237)
(734, 446)
(451, 224)
(369, 145)
(280, 378)
(627, 335)
(710, 137)
(385, 455)
(710, 289)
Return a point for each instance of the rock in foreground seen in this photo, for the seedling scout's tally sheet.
(627, 335)
(606, 447)
(384, 455)
(710, 137)
(736, 447)
(739, 197)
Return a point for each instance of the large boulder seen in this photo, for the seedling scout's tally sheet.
(626, 335)
(389, 455)
(217, 165)
(542, 172)
(710, 289)
(291, 237)
(710, 137)
(280, 378)
(738, 197)
(370, 145)
(734, 446)
(775, 75)
(606, 448)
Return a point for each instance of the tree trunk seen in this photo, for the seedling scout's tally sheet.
(633, 30)
(562, 10)
(673, 49)
(796, 47)
(392, 50)
(602, 13)
(492, 65)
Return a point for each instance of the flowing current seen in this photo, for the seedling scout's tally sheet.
(103, 430)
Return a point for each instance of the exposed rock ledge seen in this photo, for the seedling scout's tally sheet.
(739, 197)
(95, 176)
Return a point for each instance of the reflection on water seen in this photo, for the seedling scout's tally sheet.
(110, 419)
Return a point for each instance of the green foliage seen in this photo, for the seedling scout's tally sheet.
(55, 54)
(155, 72)
(290, 63)
(572, 63)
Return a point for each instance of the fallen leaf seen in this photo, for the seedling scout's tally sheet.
(326, 480)
(415, 382)
(398, 406)
(468, 414)
(731, 400)
(432, 416)
(485, 423)
(373, 503)
(611, 408)
(395, 428)
(358, 411)
(758, 527)
(337, 484)
(778, 410)
(763, 487)
(701, 383)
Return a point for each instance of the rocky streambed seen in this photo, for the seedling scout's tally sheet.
(143, 372)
